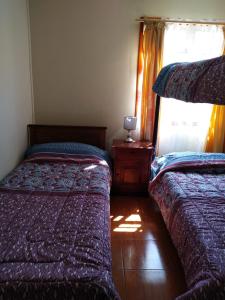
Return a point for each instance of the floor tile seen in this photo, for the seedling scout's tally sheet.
(147, 231)
(119, 281)
(117, 258)
(141, 254)
(150, 225)
(151, 284)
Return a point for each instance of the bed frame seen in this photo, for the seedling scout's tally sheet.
(39, 134)
(156, 122)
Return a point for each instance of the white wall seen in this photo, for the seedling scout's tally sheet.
(15, 82)
(85, 53)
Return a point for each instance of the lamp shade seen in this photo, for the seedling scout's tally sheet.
(130, 123)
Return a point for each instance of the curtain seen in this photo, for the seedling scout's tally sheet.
(216, 133)
(184, 126)
(149, 64)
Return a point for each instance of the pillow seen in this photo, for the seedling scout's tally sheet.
(70, 148)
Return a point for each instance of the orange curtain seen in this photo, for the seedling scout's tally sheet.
(150, 59)
(216, 134)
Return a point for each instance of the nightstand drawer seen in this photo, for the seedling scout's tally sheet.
(132, 154)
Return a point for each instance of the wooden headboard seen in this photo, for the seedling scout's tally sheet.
(39, 134)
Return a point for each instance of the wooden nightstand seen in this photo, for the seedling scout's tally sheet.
(132, 162)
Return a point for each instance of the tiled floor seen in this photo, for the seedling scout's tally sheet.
(145, 263)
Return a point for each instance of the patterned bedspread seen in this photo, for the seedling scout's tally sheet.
(54, 233)
(199, 82)
(191, 198)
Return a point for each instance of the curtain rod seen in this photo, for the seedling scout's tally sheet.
(167, 20)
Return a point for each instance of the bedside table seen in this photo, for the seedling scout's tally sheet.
(132, 162)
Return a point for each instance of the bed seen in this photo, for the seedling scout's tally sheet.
(189, 188)
(54, 214)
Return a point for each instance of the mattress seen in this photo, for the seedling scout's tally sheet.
(54, 234)
(191, 197)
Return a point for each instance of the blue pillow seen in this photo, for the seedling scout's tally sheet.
(70, 148)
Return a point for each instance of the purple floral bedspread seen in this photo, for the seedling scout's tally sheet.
(191, 198)
(199, 82)
(54, 233)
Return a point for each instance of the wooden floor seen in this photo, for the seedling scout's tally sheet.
(145, 263)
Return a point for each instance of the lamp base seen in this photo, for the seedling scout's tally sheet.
(129, 138)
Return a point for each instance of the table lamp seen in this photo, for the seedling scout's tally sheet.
(129, 124)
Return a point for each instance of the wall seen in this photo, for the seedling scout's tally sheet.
(15, 82)
(85, 52)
